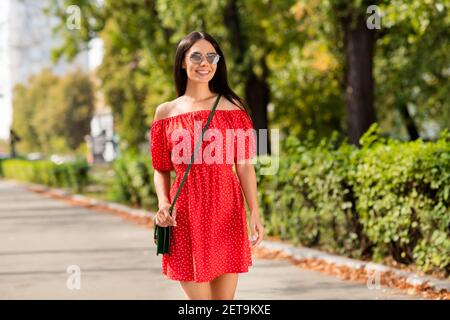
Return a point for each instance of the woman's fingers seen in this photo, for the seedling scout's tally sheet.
(261, 233)
(174, 217)
(160, 218)
(167, 217)
(254, 234)
(258, 234)
(164, 219)
(159, 221)
(170, 219)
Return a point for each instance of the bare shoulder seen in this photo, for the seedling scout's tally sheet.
(163, 110)
(229, 105)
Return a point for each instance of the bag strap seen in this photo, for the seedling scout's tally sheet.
(194, 154)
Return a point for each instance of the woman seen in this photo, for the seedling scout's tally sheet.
(209, 245)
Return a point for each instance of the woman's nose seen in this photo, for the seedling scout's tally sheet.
(203, 62)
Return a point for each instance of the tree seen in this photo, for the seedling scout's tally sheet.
(77, 101)
(136, 48)
(53, 114)
(359, 46)
(412, 66)
(32, 112)
(311, 60)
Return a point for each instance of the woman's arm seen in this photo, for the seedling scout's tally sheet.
(163, 218)
(247, 176)
(161, 179)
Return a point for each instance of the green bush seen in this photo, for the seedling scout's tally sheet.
(385, 199)
(403, 199)
(310, 200)
(73, 175)
(134, 180)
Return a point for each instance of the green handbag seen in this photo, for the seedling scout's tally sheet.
(162, 234)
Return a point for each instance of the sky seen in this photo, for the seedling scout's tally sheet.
(94, 59)
(5, 112)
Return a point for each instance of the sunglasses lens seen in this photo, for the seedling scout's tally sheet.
(211, 58)
(196, 58)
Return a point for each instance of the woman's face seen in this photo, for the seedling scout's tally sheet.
(204, 70)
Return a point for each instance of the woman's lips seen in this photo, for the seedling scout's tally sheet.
(203, 73)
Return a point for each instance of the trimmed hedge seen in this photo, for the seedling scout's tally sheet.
(386, 199)
(73, 175)
(134, 181)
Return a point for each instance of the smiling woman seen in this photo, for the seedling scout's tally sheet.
(209, 243)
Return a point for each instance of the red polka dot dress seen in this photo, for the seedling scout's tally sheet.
(211, 236)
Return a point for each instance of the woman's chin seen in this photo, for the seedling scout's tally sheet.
(201, 79)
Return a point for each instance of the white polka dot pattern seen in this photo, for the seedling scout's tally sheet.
(211, 236)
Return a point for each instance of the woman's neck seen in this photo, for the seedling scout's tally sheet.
(198, 92)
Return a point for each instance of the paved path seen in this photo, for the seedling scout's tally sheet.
(41, 237)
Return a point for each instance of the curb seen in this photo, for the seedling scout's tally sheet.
(301, 253)
(295, 253)
(137, 213)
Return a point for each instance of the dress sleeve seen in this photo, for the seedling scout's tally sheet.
(159, 149)
(245, 139)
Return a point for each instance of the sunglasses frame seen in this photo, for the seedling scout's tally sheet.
(216, 56)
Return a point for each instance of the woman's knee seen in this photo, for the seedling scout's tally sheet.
(224, 287)
(196, 291)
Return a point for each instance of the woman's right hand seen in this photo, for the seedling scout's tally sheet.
(163, 218)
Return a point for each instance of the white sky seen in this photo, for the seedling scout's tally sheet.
(95, 56)
(5, 105)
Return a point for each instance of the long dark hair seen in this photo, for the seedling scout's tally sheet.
(218, 84)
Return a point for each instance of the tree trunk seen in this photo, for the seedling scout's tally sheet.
(359, 44)
(257, 93)
(409, 122)
(257, 90)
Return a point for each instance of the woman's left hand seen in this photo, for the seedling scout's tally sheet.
(256, 228)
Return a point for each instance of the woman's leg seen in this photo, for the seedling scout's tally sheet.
(224, 286)
(196, 290)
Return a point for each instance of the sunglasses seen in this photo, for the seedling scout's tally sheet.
(197, 58)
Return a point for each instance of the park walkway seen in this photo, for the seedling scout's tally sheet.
(40, 238)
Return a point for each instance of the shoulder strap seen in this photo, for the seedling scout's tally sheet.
(194, 154)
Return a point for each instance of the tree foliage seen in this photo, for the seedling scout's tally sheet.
(51, 113)
(293, 59)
